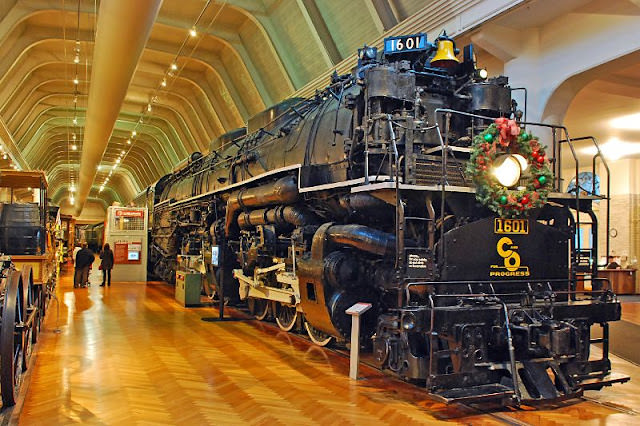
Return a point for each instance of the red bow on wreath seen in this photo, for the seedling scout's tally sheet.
(509, 130)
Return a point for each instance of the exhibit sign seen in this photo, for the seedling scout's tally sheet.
(130, 213)
(126, 252)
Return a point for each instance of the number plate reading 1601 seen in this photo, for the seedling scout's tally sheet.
(408, 43)
(510, 226)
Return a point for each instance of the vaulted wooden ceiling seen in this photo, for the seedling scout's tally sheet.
(246, 55)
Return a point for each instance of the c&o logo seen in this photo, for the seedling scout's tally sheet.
(511, 267)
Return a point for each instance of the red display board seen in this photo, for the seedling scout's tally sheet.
(120, 253)
(128, 253)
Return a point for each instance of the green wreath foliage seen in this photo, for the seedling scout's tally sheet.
(499, 139)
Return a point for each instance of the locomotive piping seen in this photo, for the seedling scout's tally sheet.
(279, 215)
(282, 191)
(364, 238)
(358, 202)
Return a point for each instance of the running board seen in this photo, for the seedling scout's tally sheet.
(597, 383)
(474, 394)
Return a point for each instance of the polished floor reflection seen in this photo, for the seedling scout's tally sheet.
(129, 354)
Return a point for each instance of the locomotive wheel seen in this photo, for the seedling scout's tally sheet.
(318, 337)
(286, 316)
(31, 332)
(11, 340)
(33, 301)
(39, 303)
(259, 308)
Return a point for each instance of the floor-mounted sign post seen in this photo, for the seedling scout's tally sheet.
(355, 311)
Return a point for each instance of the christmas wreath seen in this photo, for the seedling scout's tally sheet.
(505, 142)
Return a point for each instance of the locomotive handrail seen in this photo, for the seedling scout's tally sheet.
(399, 238)
(464, 282)
(512, 355)
(431, 335)
(598, 154)
(478, 295)
(557, 160)
(487, 282)
(524, 89)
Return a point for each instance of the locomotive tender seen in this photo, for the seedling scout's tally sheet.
(362, 194)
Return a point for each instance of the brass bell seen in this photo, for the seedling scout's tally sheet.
(445, 55)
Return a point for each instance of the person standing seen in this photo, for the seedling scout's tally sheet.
(84, 259)
(106, 265)
(76, 249)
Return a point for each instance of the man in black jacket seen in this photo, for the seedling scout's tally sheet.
(84, 260)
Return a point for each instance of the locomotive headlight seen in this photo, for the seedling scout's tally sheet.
(409, 321)
(523, 162)
(507, 170)
(482, 73)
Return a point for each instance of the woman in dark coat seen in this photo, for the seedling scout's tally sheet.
(106, 264)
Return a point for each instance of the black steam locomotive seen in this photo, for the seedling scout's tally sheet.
(366, 192)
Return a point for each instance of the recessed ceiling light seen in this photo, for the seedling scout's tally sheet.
(627, 122)
(615, 149)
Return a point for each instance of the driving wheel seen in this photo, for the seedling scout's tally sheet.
(286, 316)
(318, 337)
(259, 308)
(11, 339)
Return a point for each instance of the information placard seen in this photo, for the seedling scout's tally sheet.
(120, 253)
(127, 252)
(358, 308)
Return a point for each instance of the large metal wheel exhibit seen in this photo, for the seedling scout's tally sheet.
(31, 310)
(286, 316)
(11, 336)
(318, 337)
(259, 308)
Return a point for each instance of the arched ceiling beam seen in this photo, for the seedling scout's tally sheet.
(55, 140)
(108, 195)
(253, 103)
(236, 66)
(282, 42)
(12, 148)
(315, 20)
(143, 167)
(44, 96)
(95, 212)
(40, 75)
(56, 121)
(385, 13)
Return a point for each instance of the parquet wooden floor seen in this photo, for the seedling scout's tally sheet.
(631, 312)
(129, 354)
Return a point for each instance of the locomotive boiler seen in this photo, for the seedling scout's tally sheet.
(413, 184)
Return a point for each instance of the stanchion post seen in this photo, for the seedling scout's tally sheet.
(355, 311)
